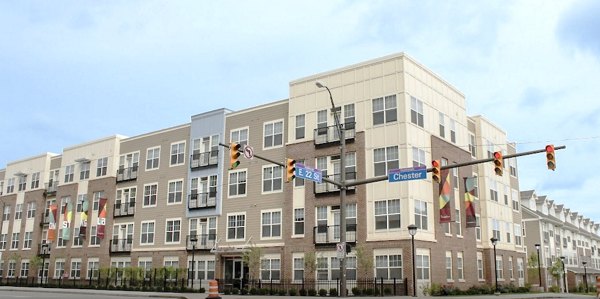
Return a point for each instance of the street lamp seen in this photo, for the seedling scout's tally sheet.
(193, 240)
(562, 260)
(44, 251)
(537, 247)
(412, 230)
(343, 290)
(494, 241)
(585, 275)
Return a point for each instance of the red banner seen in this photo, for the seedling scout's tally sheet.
(445, 196)
(52, 223)
(101, 218)
(470, 184)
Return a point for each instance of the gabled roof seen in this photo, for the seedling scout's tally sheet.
(527, 194)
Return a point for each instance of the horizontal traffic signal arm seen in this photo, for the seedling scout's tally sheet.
(385, 177)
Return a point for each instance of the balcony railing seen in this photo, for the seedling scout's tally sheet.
(206, 159)
(127, 174)
(120, 245)
(44, 250)
(45, 216)
(124, 209)
(203, 241)
(330, 234)
(330, 134)
(51, 188)
(321, 188)
(204, 200)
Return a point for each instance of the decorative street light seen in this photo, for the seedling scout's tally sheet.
(537, 247)
(342, 185)
(412, 230)
(585, 275)
(494, 241)
(562, 260)
(193, 240)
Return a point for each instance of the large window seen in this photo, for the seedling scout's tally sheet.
(175, 192)
(387, 214)
(178, 153)
(384, 110)
(272, 180)
(388, 266)
(59, 268)
(460, 273)
(147, 233)
(298, 269)
(458, 223)
(240, 136)
(518, 235)
(15, 241)
(77, 240)
(499, 268)
(273, 134)
(173, 231)
(102, 167)
(22, 182)
(300, 126)
(299, 221)
(448, 265)
(93, 268)
(237, 183)
(94, 240)
(416, 112)
(18, 211)
(421, 214)
(35, 180)
(271, 224)
(521, 269)
(385, 159)
(452, 131)
(150, 195)
(153, 158)
(3, 241)
(422, 266)
(442, 125)
(24, 268)
(236, 225)
(27, 240)
(270, 269)
(6, 214)
(418, 157)
(10, 185)
(84, 171)
(69, 172)
(76, 269)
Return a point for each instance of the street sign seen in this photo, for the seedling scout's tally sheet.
(341, 250)
(407, 174)
(303, 172)
(248, 152)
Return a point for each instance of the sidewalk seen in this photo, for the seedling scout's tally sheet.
(204, 295)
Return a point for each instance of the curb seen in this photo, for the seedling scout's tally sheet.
(92, 292)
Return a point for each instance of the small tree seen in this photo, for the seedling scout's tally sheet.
(364, 261)
(252, 258)
(532, 262)
(310, 263)
(35, 263)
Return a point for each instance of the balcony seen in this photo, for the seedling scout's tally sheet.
(45, 218)
(122, 209)
(127, 174)
(329, 235)
(206, 159)
(120, 245)
(204, 242)
(51, 188)
(323, 188)
(204, 200)
(44, 251)
(328, 135)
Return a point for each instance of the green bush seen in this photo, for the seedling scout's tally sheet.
(227, 291)
(333, 292)
(322, 292)
(368, 292)
(244, 291)
(254, 291)
(202, 290)
(235, 291)
(387, 291)
(293, 292)
(554, 289)
(302, 292)
(356, 291)
(312, 292)
(273, 291)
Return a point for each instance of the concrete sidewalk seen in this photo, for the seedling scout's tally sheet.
(204, 295)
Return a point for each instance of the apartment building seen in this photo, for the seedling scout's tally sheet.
(564, 236)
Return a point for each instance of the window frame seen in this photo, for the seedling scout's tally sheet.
(274, 135)
(178, 149)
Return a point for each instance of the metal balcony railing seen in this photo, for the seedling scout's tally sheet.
(205, 200)
(206, 159)
(44, 250)
(330, 234)
(124, 209)
(127, 174)
(120, 245)
(321, 188)
(45, 215)
(330, 134)
(203, 241)
(51, 188)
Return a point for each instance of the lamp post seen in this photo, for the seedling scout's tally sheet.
(585, 275)
(193, 240)
(562, 260)
(537, 247)
(343, 290)
(412, 230)
(494, 241)
(44, 251)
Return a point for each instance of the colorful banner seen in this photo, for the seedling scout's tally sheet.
(101, 218)
(445, 196)
(470, 184)
(68, 215)
(84, 218)
(52, 223)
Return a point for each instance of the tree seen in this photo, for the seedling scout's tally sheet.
(310, 263)
(252, 258)
(364, 261)
(35, 263)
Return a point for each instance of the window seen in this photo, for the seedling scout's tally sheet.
(146, 266)
(272, 180)
(31, 210)
(299, 221)
(35, 180)
(512, 165)
(59, 268)
(384, 110)
(387, 214)
(422, 266)
(442, 126)
(493, 190)
(96, 200)
(458, 223)
(499, 269)
(150, 195)
(15, 241)
(69, 172)
(173, 231)
(496, 229)
(12, 268)
(240, 136)
(2, 268)
(416, 112)
(206, 270)
(18, 211)
(298, 269)
(273, 134)
(3, 241)
(480, 266)
(94, 240)
(236, 225)
(518, 235)
(508, 232)
(385, 159)
(24, 268)
(175, 192)
(452, 131)
(152, 158)
(61, 241)
(93, 268)
(27, 240)
(271, 224)
(418, 157)
(510, 268)
(421, 214)
(322, 122)
(388, 266)
(270, 269)
(237, 183)
(177, 153)
(6, 214)
(520, 268)
(472, 146)
(84, 171)
(448, 265)
(22, 182)
(10, 185)
(300, 126)
(75, 269)
(460, 273)
(478, 227)
(515, 200)
(102, 167)
(147, 234)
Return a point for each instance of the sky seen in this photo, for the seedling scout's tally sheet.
(76, 71)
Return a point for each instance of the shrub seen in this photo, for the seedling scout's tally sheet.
(302, 292)
(273, 291)
(333, 292)
(235, 291)
(387, 291)
(293, 292)
(227, 291)
(322, 292)
(244, 291)
(356, 291)
(554, 289)
(263, 291)
(368, 292)
(202, 290)
(312, 292)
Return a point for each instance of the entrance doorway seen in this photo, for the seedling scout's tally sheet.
(235, 272)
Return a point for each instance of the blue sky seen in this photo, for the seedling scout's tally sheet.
(74, 71)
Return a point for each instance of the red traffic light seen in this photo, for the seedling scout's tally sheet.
(498, 167)
(436, 171)
(550, 158)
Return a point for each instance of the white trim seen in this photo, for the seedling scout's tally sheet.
(263, 179)
(153, 233)
(180, 230)
(273, 122)
(168, 191)
(171, 152)
(144, 194)
(229, 182)
(159, 158)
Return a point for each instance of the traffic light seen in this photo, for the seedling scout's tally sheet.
(290, 170)
(498, 167)
(550, 160)
(234, 154)
(436, 173)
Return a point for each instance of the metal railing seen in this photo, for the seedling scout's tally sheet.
(124, 209)
(203, 200)
(199, 160)
(127, 174)
(44, 250)
(330, 234)
(203, 241)
(330, 134)
(328, 187)
(51, 188)
(120, 245)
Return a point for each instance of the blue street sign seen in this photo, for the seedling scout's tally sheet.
(407, 174)
(303, 172)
